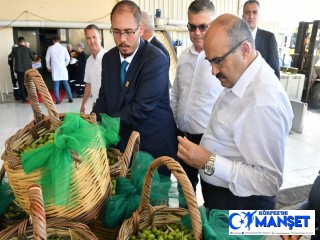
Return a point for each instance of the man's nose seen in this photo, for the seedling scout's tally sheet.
(215, 69)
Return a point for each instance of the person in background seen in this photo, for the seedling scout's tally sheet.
(92, 76)
(149, 32)
(22, 57)
(57, 59)
(72, 66)
(241, 154)
(135, 86)
(81, 66)
(14, 80)
(265, 41)
(195, 89)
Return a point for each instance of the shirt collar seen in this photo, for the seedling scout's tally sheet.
(194, 51)
(149, 40)
(254, 33)
(247, 77)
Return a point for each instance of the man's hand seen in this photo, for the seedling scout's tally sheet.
(192, 154)
(82, 109)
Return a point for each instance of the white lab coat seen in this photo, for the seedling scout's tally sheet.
(57, 59)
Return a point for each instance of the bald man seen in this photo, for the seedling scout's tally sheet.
(241, 154)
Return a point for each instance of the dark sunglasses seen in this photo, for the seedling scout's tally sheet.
(202, 27)
(217, 61)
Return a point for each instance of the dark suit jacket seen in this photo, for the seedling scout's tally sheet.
(159, 45)
(267, 45)
(143, 103)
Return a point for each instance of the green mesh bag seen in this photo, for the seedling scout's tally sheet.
(55, 159)
(128, 192)
(6, 196)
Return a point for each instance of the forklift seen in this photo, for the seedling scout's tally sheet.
(306, 59)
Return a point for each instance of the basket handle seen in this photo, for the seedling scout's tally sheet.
(37, 212)
(34, 82)
(187, 190)
(2, 173)
(131, 148)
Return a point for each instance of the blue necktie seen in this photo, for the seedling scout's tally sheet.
(123, 71)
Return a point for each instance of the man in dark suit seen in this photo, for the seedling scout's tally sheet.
(265, 41)
(149, 33)
(142, 100)
(22, 57)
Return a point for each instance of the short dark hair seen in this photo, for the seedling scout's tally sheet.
(201, 5)
(92, 26)
(250, 2)
(56, 38)
(21, 39)
(122, 7)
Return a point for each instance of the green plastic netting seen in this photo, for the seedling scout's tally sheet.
(129, 189)
(55, 159)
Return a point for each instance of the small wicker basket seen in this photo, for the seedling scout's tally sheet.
(97, 227)
(38, 227)
(147, 215)
(92, 183)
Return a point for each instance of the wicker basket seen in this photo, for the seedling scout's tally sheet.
(97, 227)
(147, 215)
(92, 184)
(41, 228)
(123, 160)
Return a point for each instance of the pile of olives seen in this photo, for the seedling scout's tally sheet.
(47, 138)
(172, 231)
(113, 156)
(15, 212)
(114, 184)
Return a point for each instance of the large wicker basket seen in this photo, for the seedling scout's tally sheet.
(97, 227)
(147, 215)
(92, 183)
(38, 227)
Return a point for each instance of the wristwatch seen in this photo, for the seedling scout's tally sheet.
(209, 166)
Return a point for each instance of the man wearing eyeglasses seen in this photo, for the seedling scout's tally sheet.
(134, 87)
(195, 89)
(265, 41)
(241, 154)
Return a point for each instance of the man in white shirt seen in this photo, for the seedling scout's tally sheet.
(195, 89)
(57, 60)
(92, 76)
(241, 154)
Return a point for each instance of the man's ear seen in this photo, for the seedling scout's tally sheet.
(141, 31)
(245, 48)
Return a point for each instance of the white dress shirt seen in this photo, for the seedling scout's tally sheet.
(92, 73)
(248, 131)
(194, 91)
(57, 60)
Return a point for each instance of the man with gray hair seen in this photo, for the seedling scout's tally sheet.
(195, 90)
(149, 32)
